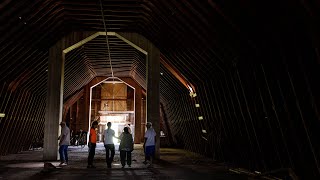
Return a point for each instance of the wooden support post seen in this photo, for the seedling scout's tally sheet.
(85, 121)
(54, 103)
(138, 103)
(153, 92)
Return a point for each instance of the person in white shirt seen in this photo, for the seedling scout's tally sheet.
(64, 143)
(108, 144)
(149, 144)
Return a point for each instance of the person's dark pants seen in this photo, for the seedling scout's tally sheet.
(149, 152)
(63, 151)
(92, 152)
(109, 147)
(125, 155)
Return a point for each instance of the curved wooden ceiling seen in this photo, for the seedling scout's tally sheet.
(205, 36)
(255, 64)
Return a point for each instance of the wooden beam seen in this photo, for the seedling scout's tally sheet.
(68, 103)
(176, 73)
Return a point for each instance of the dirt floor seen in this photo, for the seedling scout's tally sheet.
(173, 164)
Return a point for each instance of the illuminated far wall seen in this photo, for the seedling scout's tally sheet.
(116, 107)
(114, 97)
(118, 123)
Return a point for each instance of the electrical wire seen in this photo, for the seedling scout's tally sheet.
(107, 40)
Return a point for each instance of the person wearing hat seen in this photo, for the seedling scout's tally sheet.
(149, 144)
(64, 142)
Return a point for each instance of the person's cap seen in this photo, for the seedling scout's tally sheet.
(62, 123)
(149, 123)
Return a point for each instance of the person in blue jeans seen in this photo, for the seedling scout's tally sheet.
(149, 144)
(64, 143)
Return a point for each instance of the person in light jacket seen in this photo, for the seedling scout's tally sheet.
(149, 144)
(64, 143)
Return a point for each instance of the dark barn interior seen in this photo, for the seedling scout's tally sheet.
(253, 67)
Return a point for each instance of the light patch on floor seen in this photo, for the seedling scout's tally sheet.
(26, 165)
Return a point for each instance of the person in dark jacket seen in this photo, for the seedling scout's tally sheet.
(126, 147)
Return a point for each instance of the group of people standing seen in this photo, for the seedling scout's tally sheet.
(125, 147)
